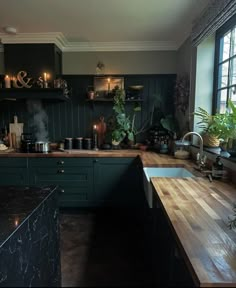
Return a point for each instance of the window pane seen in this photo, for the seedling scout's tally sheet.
(232, 79)
(233, 42)
(232, 94)
(222, 96)
(223, 75)
(226, 46)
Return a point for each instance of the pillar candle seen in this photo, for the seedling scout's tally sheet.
(7, 82)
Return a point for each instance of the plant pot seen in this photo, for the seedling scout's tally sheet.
(115, 144)
(210, 140)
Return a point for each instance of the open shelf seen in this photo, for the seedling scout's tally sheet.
(111, 100)
(49, 94)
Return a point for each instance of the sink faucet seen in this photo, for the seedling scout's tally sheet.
(201, 159)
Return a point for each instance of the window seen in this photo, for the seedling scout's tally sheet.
(225, 68)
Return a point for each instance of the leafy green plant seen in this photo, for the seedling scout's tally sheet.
(124, 126)
(169, 123)
(218, 125)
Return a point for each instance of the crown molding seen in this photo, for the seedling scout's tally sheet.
(34, 38)
(59, 39)
(120, 46)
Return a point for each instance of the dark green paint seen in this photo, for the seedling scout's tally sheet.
(76, 117)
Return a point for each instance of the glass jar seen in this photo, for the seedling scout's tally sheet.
(182, 149)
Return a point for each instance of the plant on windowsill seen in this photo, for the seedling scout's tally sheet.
(218, 127)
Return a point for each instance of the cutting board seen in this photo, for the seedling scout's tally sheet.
(16, 128)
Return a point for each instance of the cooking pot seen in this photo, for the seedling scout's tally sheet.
(42, 147)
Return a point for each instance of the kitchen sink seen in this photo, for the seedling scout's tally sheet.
(148, 172)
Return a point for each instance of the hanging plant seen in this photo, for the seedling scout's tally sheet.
(181, 95)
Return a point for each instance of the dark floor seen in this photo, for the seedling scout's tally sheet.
(105, 248)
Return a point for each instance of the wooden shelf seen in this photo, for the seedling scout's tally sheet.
(111, 100)
(47, 94)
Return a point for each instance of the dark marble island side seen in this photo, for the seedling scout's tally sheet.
(29, 237)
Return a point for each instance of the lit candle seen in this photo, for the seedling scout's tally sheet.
(108, 81)
(95, 128)
(45, 77)
(95, 138)
(7, 82)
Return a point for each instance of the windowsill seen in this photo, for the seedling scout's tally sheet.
(211, 154)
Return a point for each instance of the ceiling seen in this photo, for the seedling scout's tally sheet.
(105, 25)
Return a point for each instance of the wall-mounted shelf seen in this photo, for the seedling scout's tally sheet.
(111, 100)
(47, 94)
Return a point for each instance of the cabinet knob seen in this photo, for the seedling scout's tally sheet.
(61, 162)
(62, 191)
(95, 160)
(60, 171)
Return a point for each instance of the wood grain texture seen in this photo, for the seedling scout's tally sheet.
(198, 213)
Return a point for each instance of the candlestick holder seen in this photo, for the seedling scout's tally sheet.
(45, 84)
(95, 138)
(95, 141)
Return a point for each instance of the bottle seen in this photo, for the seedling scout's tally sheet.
(217, 168)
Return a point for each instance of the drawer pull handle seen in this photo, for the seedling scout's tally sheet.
(62, 190)
(60, 171)
(60, 162)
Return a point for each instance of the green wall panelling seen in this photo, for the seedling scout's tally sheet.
(76, 117)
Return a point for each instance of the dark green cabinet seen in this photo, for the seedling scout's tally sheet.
(74, 177)
(117, 182)
(83, 182)
(13, 171)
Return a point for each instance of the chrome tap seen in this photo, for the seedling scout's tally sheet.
(201, 159)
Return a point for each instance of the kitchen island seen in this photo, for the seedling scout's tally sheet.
(29, 237)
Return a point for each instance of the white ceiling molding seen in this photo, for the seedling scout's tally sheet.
(33, 38)
(59, 39)
(120, 46)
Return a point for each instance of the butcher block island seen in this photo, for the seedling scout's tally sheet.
(189, 218)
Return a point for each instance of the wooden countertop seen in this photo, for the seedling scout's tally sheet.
(198, 213)
(75, 153)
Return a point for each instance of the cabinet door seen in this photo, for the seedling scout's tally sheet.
(115, 182)
(75, 182)
(13, 171)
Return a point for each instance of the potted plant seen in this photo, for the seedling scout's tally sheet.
(215, 128)
(123, 124)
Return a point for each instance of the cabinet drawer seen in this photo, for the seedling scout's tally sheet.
(73, 193)
(57, 162)
(13, 162)
(69, 176)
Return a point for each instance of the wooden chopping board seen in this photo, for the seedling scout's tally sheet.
(16, 128)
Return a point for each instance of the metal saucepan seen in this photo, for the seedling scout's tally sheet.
(42, 147)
